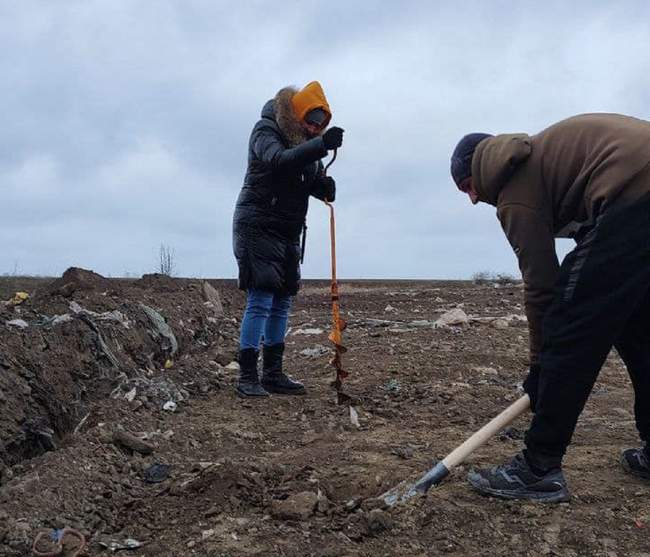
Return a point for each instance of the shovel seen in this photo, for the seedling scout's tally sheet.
(440, 471)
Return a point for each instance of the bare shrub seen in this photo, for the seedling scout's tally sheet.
(482, 277)
(167, 261)
(487, 277)
(505, 279)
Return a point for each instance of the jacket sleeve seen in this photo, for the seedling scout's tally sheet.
(268, 148)
(533, 242)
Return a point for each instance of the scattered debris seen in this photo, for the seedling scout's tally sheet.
(354, 417)
(127, 544)
(131, 442)
(156, 389)
(512, 320)
(20, 323)
(212, 298)
(102, 347)
(392, 386)
(403, 452)
(157, 473)
(161, 330)
(18, 298)
(312, 331)
(170, 406)
(424, 323)
(130, 396)
(114, 315)
(297, 507)
(63, 541)
(77, 429)
(316, 351)
(61, 319)
(399, 330)
(453, 317)
(353, 504)
(378, 322)
(233, 366)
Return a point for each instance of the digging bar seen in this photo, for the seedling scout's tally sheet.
(440, 471)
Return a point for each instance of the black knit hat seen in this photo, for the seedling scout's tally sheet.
(461, 158)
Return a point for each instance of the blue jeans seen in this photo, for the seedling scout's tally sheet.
(266, 316)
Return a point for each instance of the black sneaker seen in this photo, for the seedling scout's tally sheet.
(635, 462)
(515, 480)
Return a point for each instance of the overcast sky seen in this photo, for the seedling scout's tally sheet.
(124, 123)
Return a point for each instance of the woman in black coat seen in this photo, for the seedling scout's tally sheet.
(284, 169)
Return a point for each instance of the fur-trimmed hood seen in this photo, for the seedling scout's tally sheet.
(280, 109)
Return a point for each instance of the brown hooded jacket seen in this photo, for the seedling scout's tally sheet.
(549, 185)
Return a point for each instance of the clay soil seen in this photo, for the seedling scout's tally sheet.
(288, 476)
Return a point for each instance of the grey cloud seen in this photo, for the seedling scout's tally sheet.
(126, 124)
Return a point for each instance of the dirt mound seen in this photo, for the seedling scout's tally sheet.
(158, 282)
(76, 279)
(89, 338)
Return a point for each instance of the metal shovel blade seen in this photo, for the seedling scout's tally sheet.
(440, 471)
(406, 490)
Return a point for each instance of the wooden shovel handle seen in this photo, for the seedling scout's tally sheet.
(460, 453)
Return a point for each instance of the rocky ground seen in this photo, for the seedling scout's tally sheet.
(118, 418)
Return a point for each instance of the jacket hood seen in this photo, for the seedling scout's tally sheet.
(268, 111)
(495, 161)
(280, 110)
(310, 97)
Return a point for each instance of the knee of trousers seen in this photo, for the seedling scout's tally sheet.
(259, 304)
(258, 310)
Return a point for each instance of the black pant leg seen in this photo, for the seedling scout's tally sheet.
(601, 283)
(634, 348)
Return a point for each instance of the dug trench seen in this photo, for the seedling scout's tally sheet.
(102, 379)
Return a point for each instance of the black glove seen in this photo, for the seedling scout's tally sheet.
(531, 384)
(329, 189)
(333, 138)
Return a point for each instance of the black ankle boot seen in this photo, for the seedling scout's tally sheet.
(274, 380)
(249, 380)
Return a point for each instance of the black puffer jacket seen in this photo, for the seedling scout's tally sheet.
(284, 169)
